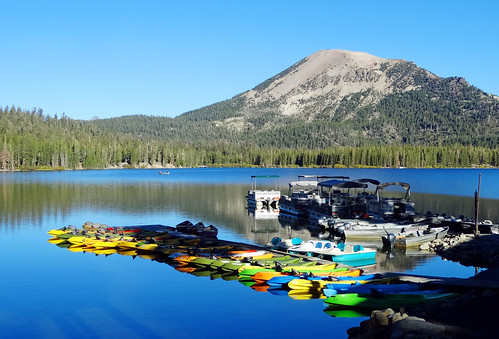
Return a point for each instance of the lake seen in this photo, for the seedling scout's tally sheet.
(50, 292)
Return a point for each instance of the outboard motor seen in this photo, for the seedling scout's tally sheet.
(340, 231)
(391, 238)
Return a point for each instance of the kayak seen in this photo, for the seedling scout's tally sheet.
(307, 284)
(255, 255)
(298, 267)
(266, 275)
(382, 301)
(368, 288)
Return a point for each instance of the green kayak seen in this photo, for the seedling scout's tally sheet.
(381, 301)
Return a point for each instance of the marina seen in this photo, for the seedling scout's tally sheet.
(215, 197)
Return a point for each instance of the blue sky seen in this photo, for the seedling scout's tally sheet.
(111, 58)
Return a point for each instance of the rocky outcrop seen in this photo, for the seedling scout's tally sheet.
(482, 251)
(388, 324)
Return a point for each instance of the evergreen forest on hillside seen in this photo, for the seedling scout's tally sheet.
(32, 140)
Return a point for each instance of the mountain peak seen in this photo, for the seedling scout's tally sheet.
(326, 77)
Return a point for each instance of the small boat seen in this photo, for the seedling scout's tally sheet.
(347, 253)
(278, 243)
(414, 238)
(164, 172)
(352, 229)
(312, 247)
(382, 301)
(198, 229)
(263, 199)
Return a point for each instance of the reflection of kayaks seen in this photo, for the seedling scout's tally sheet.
(305, 295)
(336, 312)
(381, 301)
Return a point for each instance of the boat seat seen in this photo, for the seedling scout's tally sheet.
(358, 248)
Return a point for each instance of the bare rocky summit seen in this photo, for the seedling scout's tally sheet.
(316, 86)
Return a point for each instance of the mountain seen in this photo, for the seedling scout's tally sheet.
(343, 98)
(333, 108)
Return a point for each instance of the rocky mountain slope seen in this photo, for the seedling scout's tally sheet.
(342, 98)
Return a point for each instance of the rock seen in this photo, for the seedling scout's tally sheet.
(398, 316)
(366, 326)
(413, 327)
(378, 319)
(353, 332)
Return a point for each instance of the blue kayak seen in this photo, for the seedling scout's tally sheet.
(368, 288)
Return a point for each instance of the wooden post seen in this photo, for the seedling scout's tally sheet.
(477, 199)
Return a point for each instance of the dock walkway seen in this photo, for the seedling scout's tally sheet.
(491, 282)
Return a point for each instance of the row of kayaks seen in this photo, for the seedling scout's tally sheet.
(345, 290)
(339, 287)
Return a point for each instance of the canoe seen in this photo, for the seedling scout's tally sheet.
(382, 301)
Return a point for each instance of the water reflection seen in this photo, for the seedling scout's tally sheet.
(223, 205)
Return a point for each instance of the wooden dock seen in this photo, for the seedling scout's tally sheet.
(458, 284)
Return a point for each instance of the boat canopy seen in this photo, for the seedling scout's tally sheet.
(404, 185)
(342, 184)
(368, 181)
(303, 183)
(254, 177)
(321, 177)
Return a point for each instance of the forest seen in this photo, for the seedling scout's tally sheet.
(32, 140)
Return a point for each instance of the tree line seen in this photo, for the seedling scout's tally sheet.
(32, 140)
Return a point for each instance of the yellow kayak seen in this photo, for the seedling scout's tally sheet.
(105, 251)
(147, 247)
(127, 252)
(56, 240)
(305, 266)
(57, 232)
(103, 244)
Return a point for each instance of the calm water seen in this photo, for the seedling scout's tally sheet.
(47, 291)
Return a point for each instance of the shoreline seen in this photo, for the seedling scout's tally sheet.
(470, 314)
